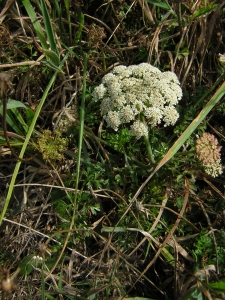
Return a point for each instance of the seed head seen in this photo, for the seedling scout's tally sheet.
(208, 152)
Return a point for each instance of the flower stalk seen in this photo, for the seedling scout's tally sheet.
(148, 145)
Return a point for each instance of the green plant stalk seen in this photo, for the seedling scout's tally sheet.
(169, 257)
(80, 141)
(149, 150)
(29, 133)
(103, 60)
(147, 143)
(139, 163)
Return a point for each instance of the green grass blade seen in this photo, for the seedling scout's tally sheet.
(52, 54)
(191, 128)
(10, 119)
(20, 119)
(54, 58)
(81, 24)
(57, 8)
(67, 4)
(35, 22)
(49, 29)
(13, 124)
(29, 116)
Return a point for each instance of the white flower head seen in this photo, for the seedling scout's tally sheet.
(108, 78)
(127, 114)
(99, 92)
(120, 101)
(176, 89)
(139, 129)
(122, 71)
(153, 115)
(128, 92)
(215, 169)
(106, 105)
(113, 119)
(119, 69)
(170, 115)
(170, 77)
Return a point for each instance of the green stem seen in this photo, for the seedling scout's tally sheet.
(140, 164)
(148, 146)
(149, 150)
(103, 60)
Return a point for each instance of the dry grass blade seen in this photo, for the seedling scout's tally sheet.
(6, 7)
(146, 11)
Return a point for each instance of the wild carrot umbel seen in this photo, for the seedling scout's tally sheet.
(129, 94)
(208, 153)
